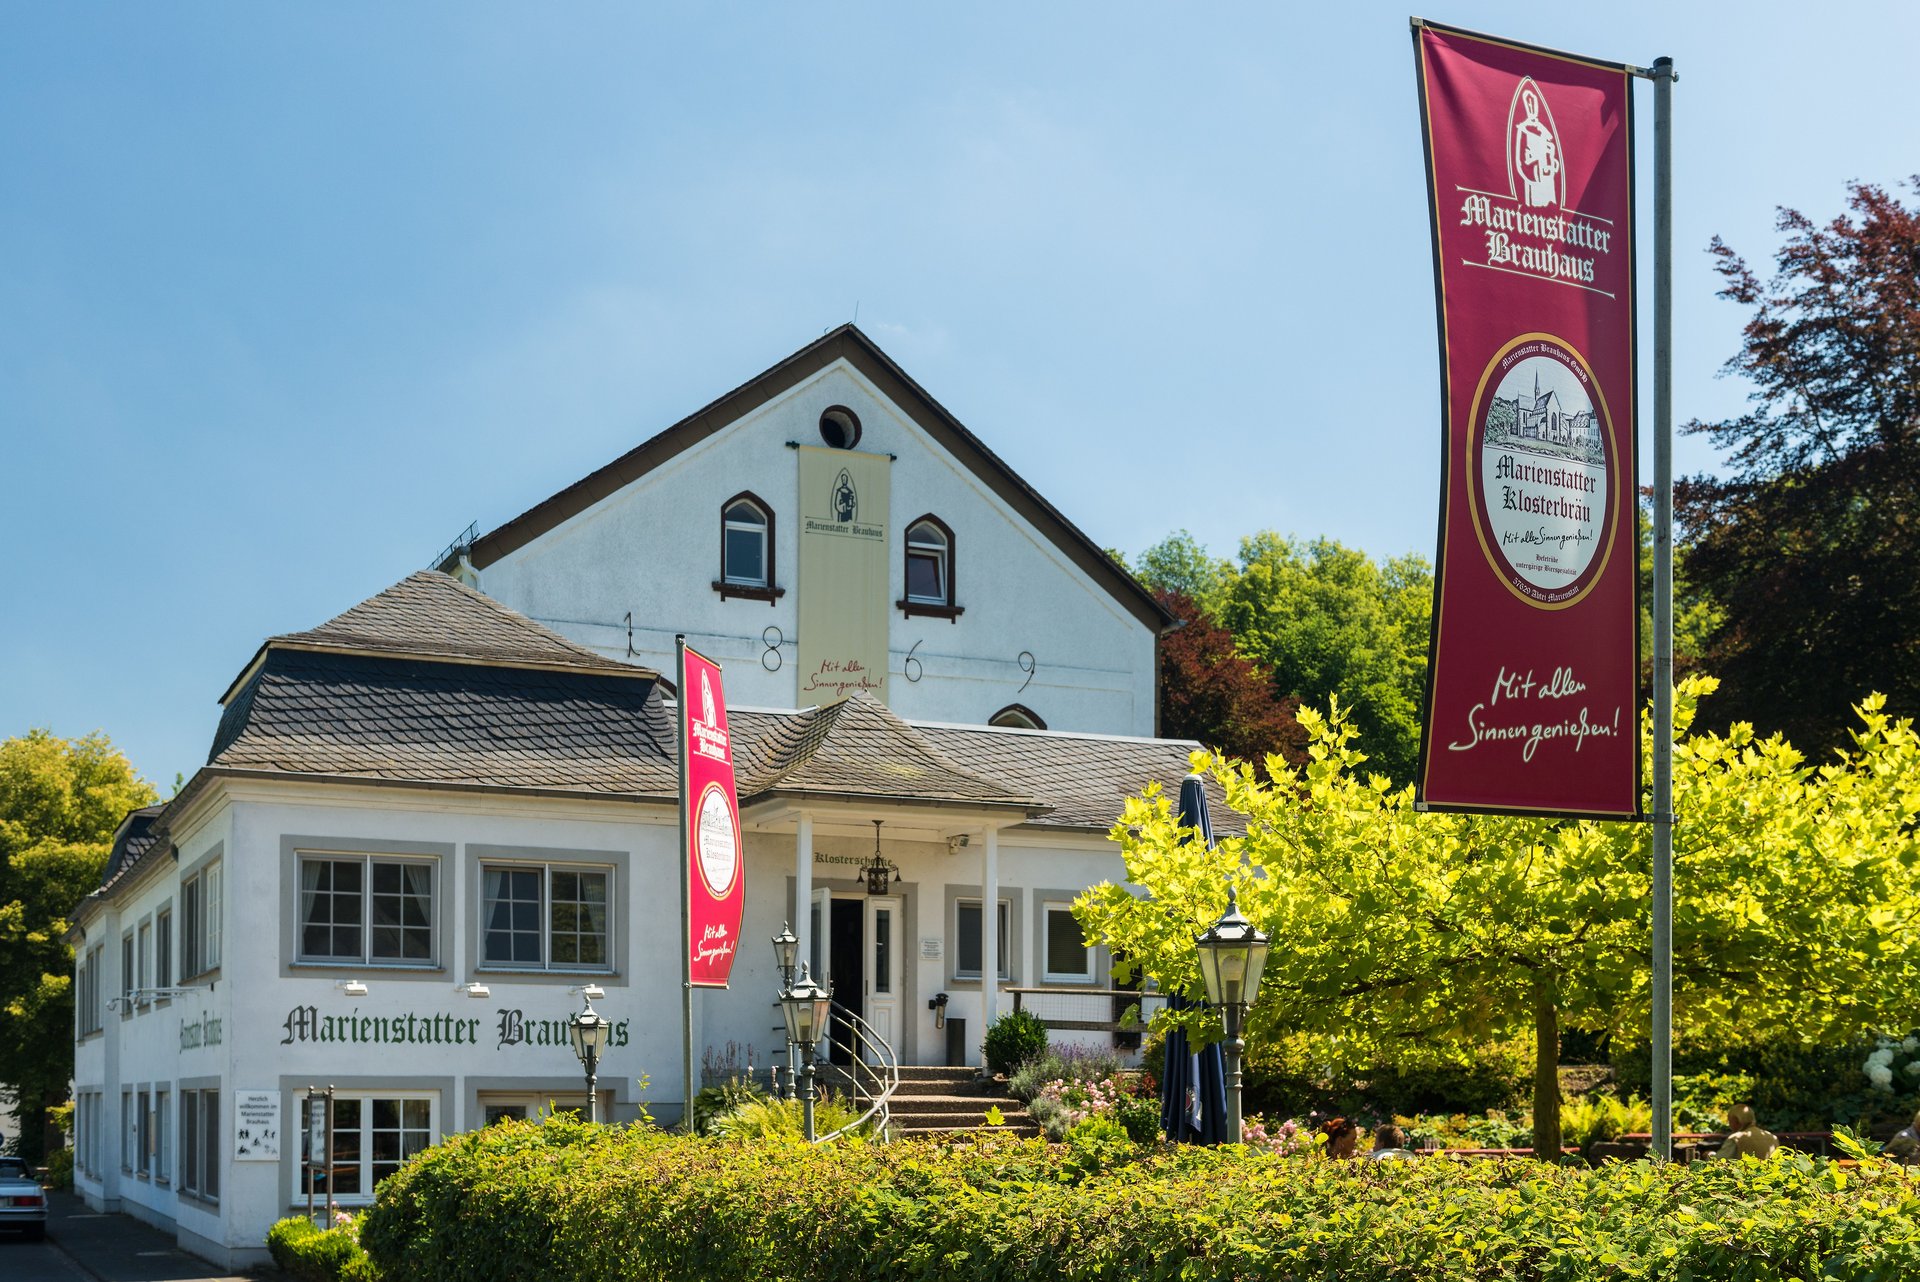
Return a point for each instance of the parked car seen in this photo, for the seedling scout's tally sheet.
(23, 1203)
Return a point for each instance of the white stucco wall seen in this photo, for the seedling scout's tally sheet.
(652, 549)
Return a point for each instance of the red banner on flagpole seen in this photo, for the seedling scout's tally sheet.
(709, 825)
(1533, 670)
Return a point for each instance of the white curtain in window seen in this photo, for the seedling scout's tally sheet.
(310, 870)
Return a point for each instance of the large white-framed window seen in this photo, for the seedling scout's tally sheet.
(87, 1005)
(127, 978)
(1065, 957)
(126, 1128)
(142, 963)
(967, 942)
(163, 948)
(163, 1141)
(367, 910)
(374, 1132)
(144, 1136)
(200, 1144)
(200, 912)
(546, 916)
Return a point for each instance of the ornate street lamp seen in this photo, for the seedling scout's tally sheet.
(786, 950)
(807, 1008)
(1232, 955)
(589, 1029)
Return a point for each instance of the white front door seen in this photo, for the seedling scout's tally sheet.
(883, 970)
(820, 948)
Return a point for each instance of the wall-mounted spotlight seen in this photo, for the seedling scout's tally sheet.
(352, 987)
(938, 1005)
(474, 989)
(592, 992)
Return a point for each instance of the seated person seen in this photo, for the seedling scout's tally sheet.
(1389, 1145)
(1748, 1138)
(1341, 1137)
(1905, 1146)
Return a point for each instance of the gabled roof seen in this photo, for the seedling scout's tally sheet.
(429, 615)
(849, 344)
(131, 840)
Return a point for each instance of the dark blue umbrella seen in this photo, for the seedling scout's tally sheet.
(1193, 1088)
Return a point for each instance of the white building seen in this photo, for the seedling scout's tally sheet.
(425, 825)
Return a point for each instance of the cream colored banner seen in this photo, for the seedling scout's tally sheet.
(843, 574)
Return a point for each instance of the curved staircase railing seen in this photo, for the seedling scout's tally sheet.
(871, 1074)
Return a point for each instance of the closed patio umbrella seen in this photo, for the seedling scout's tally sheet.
(1193, 1088)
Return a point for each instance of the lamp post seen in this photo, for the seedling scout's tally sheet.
(786, 949)
(589, 1029)
(1232, 955)
(807, 1007)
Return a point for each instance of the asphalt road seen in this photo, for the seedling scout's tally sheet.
(85, 1246)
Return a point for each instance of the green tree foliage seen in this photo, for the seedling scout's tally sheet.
(1809, 546)
(60, 801)
(1794, 913)
(1327, 620)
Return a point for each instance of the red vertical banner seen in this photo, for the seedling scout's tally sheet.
(1533, 671)
(710, 825)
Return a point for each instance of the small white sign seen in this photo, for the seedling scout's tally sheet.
(930, 946)
(256, 1126)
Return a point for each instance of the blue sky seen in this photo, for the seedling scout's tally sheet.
(294, 292)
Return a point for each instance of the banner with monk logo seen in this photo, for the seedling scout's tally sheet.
(709, 824)
(844, 610)
(1534, 661)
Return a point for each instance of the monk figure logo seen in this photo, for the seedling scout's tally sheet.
(846, 503)
(1535, 174)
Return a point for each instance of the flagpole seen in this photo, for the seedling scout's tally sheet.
(1662, 1031)
(686, 887)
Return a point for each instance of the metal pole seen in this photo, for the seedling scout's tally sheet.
(806, 1090)
(307, 1139)
(1235, 1048)
(330, 1179)
(593, 1095)
(1662, 1033)
(686, 890)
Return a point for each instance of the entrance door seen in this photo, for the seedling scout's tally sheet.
(846, 965)
(883, 970)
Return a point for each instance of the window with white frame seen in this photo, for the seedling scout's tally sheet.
(142, 949)
(88, 1004)
(967, 942)
(746, 543)
(200, 1144)
(163, 1132)
(200, 922)
(373, 1134)
(929, 562)
(126, 1129)
(1067, 959)
(126, 974)
(143, 1132)
(163, 948)
(366, 910)
(546, 916)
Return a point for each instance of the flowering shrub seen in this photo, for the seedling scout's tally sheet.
(1285, 1138)
(1893, 1065)
(1064, 1103)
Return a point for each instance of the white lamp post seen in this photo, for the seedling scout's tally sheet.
(1232, 955)
(807, 1008)
(786, 950)
(589, 1029)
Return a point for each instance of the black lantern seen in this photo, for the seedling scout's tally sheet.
(807, 1008)
(786, 949)
(879, 870)
(1232, 955)
(589, 1030)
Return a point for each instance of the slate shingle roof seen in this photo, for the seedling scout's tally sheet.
(429, 614)
(855, 748)
(136, 835)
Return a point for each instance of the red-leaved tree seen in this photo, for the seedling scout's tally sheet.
(1210, 692)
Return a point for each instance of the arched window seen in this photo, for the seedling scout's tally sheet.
(746, 549)
(1017, 716)
(929, 577)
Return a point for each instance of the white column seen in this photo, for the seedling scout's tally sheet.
(803, 886)
(989, 929)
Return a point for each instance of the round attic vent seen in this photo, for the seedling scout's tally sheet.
(840, 428)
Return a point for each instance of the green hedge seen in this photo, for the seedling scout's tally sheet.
(313, 1255)
(561, 1202)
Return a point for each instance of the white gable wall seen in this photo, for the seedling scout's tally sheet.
(653, 549)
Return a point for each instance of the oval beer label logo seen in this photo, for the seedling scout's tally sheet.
(1538, 470)
(719, 841)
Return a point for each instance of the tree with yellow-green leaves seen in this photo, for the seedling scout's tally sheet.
(1796, 894)
(60, 802)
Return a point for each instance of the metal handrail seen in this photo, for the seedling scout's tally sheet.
(861, 1041)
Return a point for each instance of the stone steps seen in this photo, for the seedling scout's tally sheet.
(933, 1101)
